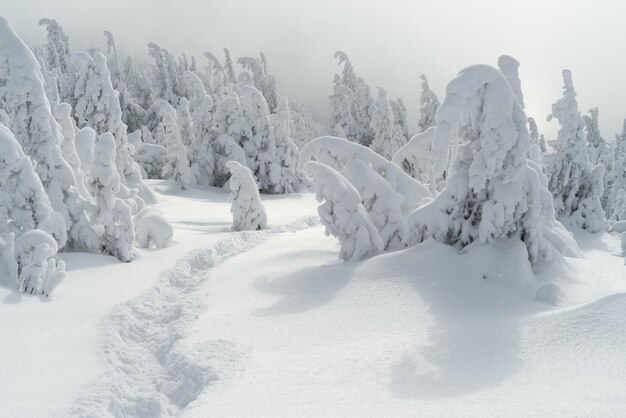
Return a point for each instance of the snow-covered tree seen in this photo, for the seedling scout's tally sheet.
(63, 114)
(429, 105)
(618, 167)
(573, 181)
(509, 67)
(342, 213)
(385, 142)
(38, 269)
(185, 123)
(383, 204)
(398, 109)
(341, 103)
(24, 204)
(493, 192)
(414, 158)
(112, 214)
(263, 82)
(246, 207)
(177, 165)
(38, 133)
(284, 172)
(163, 81)
(98, 107)
(58, 58)
(85, 141)
(338, 152)
(596, 145)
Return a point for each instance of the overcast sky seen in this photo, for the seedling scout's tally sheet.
(390, 42)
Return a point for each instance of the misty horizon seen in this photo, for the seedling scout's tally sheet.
(391, 56)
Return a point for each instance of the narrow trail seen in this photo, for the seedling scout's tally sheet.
(150, 372)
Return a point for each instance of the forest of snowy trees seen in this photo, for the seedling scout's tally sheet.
(80, 131)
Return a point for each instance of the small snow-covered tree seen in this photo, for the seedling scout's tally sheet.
(113, 215)
(572, 179)
(493, 192)
(58, 58)
(341, 103)
(177, 165)
(342, 213)
(38, 270)
(382, 204)
(85, 141)
(429, 106)
(414, 158)
(247, 209)
(38, 133)
(185, 123)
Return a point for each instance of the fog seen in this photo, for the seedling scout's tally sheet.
(390, 43)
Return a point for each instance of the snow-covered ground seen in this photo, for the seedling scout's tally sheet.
(271, 323)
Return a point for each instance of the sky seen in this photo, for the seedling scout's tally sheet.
(390, 43)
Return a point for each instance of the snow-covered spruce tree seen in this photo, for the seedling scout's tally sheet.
(58, 59)
(342, 120)
(493, 192)
(263, 82)
(8, 265)
(229, 69)
(509, 67)
(112, 214)
(400, 117)
(168, 133)
(247, 209)
(24, 204)
(163, 82)
(231, 127)
(596, 145)
(382, 204)
(338, 152)
(185, 123)
(385, 142)
(132, 113)
(618, 169)
(429, 105)
(414, 158)
(362, 105)
(535, 147)
(38, 133)
(85, 141)
(63, 115)
(284, 173)
(572, 180)
(98, 107)
(342, 213)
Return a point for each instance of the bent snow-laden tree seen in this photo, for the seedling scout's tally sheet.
(414, 158)
(342, 213)
(577, 186)
(385, 141)
(338, 152)
(382, 204)
(38, 133)
(493, 192)
(247, 209)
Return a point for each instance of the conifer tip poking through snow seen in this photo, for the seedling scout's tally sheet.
(246, 207)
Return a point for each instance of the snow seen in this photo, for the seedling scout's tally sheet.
(247, 334)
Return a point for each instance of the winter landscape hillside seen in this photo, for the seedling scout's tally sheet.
(178, 238)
